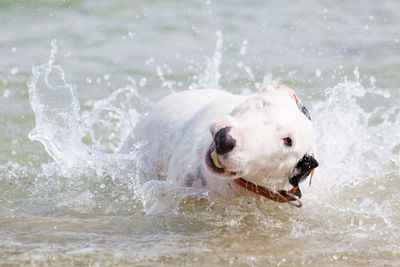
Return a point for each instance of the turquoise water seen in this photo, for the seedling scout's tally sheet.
(70, 198)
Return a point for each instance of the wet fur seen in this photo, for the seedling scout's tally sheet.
(176, 137)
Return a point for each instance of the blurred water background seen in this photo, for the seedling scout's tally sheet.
(72, 199)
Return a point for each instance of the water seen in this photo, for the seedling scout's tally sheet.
(67, 196)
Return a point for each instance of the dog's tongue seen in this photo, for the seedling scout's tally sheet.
(216, 161)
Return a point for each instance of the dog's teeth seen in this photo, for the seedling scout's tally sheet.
(215, 159)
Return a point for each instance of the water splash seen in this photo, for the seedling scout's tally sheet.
(110, 121)
(71, 140)
(211, 75)
(356, 148)
(56, 110)
(84, 147)
(352, 144)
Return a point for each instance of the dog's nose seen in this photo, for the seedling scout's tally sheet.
(224, 142)
(303, 169)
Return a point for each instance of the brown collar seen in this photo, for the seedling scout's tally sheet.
(281, 196)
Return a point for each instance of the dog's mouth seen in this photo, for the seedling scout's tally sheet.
(303, 169)
(214, 164)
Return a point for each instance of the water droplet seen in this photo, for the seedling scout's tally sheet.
(372, 80)
(149, 61)
(67, 55)
(14, 71)
(143, 82)
(6, 93)
(249, 72)
(131, 80)
(243, 49)
(131, 34)
(356, 74)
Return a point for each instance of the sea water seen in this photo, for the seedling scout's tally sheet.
(76, 76)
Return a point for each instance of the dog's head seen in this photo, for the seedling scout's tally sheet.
(267, 140)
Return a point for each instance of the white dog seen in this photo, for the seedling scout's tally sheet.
(263, 143)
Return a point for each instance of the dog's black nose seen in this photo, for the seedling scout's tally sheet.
(224, 142)
(303, 169)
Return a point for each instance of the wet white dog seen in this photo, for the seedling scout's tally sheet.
(232, 144)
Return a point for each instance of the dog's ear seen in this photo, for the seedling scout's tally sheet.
(221, 123)
(302, 108)
(273, 87)
(269, 88)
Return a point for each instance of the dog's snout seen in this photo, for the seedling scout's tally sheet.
(307, 163)
(303, 169)
(224, 142)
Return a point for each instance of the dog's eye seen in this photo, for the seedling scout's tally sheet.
(287, 141)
